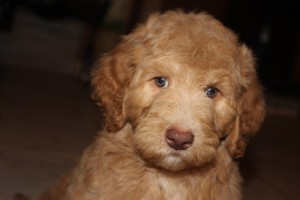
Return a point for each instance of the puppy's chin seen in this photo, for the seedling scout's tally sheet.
(173, 163)
(176, 163)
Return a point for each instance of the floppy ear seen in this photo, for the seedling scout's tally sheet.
(110, 77)
(251, 107)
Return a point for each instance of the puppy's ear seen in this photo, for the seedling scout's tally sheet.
(251, 106)
(110, 78)
(113, 73)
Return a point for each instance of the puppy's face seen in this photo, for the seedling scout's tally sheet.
(185, 80)
(181, 100)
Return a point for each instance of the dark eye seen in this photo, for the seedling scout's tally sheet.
(161, 82)
(211, 92)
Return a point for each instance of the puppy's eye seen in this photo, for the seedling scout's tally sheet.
(161, 82)
(211, 92)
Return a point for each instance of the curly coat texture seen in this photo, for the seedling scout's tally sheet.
(131, 158)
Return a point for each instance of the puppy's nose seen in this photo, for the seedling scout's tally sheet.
(179, 140)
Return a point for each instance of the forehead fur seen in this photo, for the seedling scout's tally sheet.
(193, 39)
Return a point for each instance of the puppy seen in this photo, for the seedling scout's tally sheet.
(182, 99)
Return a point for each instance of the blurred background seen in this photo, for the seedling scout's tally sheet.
(47, 48)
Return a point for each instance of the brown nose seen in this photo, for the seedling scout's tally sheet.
(179, 140)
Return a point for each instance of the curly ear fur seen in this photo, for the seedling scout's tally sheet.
(251, 108)
(109, 79)
(111, 76)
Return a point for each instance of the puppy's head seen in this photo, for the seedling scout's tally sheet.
(186, 85)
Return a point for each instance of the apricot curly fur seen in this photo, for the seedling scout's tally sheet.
(132, 158)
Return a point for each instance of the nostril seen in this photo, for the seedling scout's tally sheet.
(179, 140)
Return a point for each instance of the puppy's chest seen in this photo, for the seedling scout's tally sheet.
(179, 188)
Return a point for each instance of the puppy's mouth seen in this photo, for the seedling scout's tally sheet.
(168, 158)
(183, 160)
